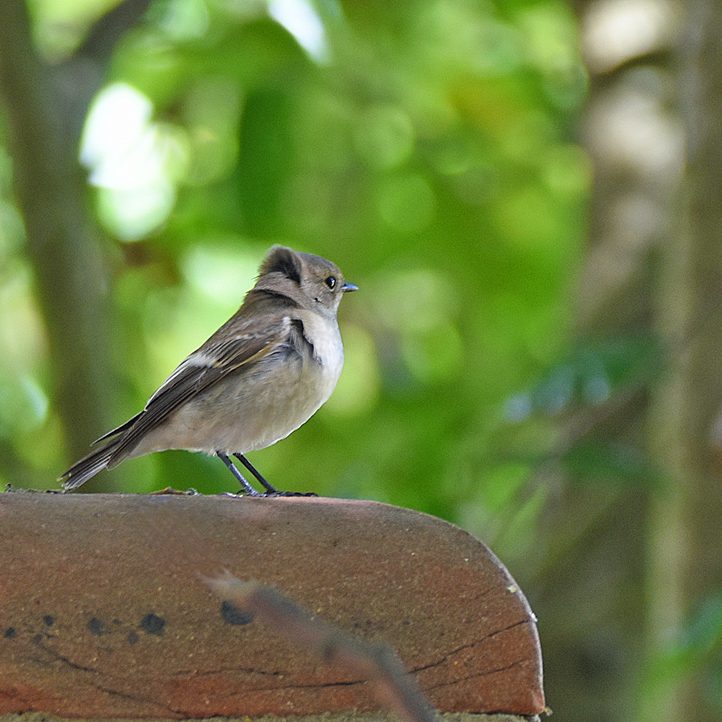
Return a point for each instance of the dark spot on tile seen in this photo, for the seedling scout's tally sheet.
(10, 632)
(96, 626)
(48, 620)
(152, 624)
(132, 637)
(233, 615)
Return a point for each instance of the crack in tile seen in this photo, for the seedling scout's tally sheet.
(507, 628)
(140, 699)
(270, 688)
(468, 645)
(485, 673)
(220, 698)
(225, 670)
(313, 685)
(58, 657)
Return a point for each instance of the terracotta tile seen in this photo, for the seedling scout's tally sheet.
(104, 612)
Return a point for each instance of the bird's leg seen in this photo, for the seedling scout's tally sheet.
(270, 489)
(239, 477)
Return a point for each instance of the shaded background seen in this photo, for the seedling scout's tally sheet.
(527, 193)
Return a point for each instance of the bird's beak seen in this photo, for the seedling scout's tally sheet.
(349, 287)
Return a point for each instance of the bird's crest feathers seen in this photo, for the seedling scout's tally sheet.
(282, 260)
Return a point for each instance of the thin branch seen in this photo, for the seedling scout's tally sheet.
(392, 686)
(79, 78)
(109, 28)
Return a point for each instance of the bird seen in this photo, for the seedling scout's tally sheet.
(257, 379)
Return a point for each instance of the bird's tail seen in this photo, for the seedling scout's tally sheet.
(89, 465)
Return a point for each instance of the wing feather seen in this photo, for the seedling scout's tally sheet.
(198, 372)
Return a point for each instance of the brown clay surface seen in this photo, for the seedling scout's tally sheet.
(104, 612)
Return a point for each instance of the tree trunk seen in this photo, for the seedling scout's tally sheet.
(634, 143)
(45, 108)
(655, 260)
(685, 540)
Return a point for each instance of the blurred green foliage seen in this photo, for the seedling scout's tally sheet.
(427, 148)
(697, 649)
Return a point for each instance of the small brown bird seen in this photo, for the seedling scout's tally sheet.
(259, 377)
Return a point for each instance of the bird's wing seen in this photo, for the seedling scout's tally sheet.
(201, 369)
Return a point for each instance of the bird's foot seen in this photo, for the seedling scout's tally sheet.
(241, 494)
(268, 494)
(290, 493)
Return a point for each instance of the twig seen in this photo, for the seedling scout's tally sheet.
(392, 686)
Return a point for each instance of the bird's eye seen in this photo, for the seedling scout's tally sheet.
(330, 281)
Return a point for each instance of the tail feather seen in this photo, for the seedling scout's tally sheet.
(118, 429)
(89, 466)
